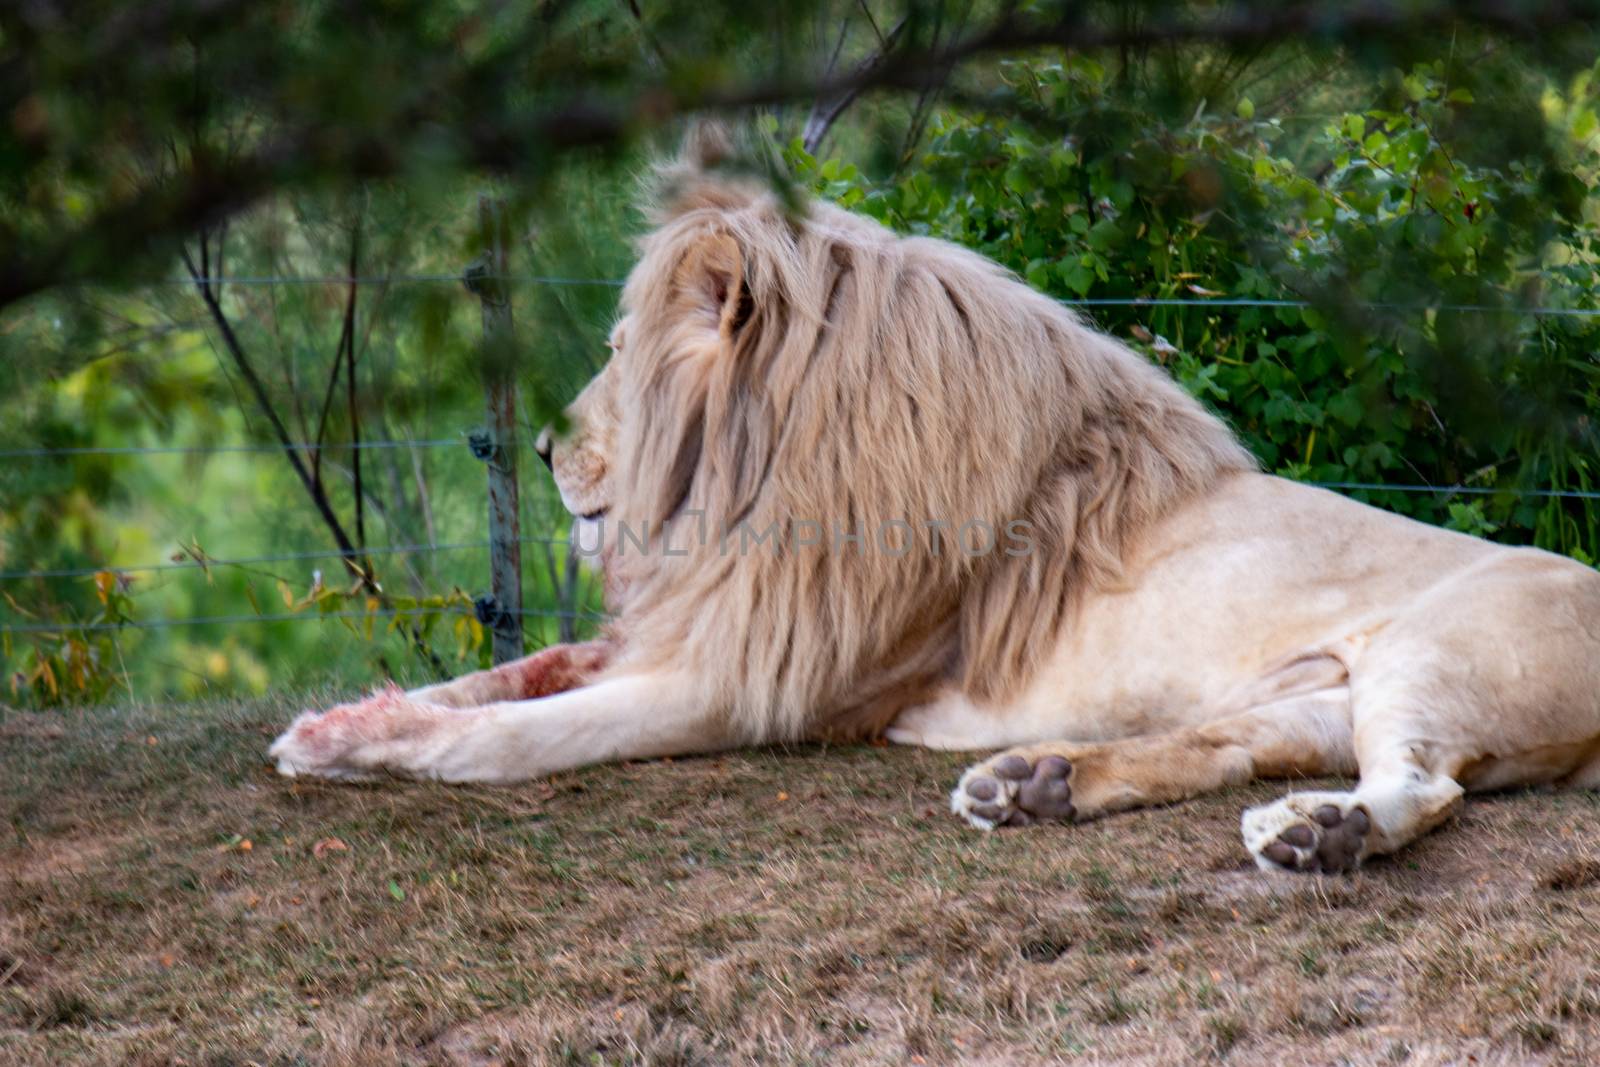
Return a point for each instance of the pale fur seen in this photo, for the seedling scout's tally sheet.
(1181, 622)
(848, 398)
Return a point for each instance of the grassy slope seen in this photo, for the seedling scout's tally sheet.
(812, 906)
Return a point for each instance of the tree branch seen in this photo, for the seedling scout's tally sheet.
(357, 562)
(209, 190)
(354, 413)
(258, 390)
(826, 112)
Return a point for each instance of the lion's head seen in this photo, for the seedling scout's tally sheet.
(896, 396)
(581, 458)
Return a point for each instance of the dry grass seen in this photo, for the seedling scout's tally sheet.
(810, 906)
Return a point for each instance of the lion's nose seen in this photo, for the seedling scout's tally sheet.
(542, 446)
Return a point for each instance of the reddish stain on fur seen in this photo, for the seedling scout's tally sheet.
(556, 669)
(386, 713)
(389, 714)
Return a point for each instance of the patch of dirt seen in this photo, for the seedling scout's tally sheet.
(45, 858)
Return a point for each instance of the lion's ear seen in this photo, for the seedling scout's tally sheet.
(709, 285)
(707, 145)
(702, 176)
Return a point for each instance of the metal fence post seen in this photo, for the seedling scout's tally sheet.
(497, 446)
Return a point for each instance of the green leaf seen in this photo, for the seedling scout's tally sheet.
(1019, 180)
(1078, 278)
(1103, 234)
(1584, 124)
(1346, 407)
(395, 890)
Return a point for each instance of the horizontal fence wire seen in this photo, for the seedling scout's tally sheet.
(287, 616)
(1246, 302)
(541, 279)
(1474, 490)
(202, 450)
(287, 557)
(1129, 301)
(335, 279)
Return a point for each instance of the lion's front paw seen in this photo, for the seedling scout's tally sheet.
(312, 745)
(1013, 790)
(290, 751)
(341, 742)
(1312, 832)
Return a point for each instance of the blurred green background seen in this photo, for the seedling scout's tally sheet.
(1370, 239)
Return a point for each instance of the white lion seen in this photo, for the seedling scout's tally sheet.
(943, 509)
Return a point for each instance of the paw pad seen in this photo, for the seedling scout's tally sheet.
(1332, 841)
(1011, 791)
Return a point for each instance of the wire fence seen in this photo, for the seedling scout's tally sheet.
(378, 279)
(204, 563)
(206, 450)
(1252, 302)
(286, 616)
(1467, 490)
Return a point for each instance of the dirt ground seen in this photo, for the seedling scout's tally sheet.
(165, 898)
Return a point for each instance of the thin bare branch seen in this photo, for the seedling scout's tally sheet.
(353, 408)
(258, 391)
(205, 193)
(826, 112)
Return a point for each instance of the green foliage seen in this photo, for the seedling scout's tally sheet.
(1418, 247)
(74, 664)
(125, 129)
(1392, 166)
(156, 372)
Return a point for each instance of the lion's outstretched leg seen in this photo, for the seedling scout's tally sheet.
(311, 743)
(636, 716)
(547, 672)
(1061, 781)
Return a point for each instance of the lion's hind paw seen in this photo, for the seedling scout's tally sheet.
(1013, 790)
(1309, 832)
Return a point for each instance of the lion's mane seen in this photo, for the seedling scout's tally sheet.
(784, 366)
